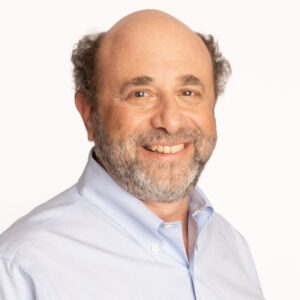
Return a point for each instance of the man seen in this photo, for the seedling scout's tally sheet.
(135, 226)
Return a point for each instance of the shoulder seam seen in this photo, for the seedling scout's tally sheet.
(36, 231)
(29, 275)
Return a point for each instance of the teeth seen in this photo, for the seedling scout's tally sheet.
(166, 149)
(177, 148)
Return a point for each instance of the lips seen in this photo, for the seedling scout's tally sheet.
(165, 149)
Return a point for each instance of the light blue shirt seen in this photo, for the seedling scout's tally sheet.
(96, 241)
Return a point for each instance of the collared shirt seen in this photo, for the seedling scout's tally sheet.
(96, 241)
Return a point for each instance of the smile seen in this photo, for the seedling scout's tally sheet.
(165, 149)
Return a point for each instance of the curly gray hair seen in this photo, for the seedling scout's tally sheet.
(84, 61)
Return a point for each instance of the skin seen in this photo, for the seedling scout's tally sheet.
(154, 44)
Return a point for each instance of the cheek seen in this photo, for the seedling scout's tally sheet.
(121, 121)
(205, 120)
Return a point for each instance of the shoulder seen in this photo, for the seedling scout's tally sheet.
(37, 221)
(222, 228)
(237, 243)
(229, 232)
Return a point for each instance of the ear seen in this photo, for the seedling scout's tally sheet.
(85, 108)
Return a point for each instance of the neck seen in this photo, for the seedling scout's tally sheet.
(170, 212)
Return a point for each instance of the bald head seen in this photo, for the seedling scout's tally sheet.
(148, 21)
(150, 42)
(151, 30)
(143, 17)
(148, 32)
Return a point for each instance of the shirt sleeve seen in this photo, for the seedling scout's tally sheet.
(15, 283)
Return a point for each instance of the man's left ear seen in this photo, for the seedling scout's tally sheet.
(85, 108)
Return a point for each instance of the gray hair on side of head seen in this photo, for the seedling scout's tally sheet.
(221, 66)
(84, 62)
(84, 57)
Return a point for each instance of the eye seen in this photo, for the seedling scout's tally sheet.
(139, 94)
(188, 93)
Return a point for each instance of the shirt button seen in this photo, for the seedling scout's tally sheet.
(167, 226)
(155, 248)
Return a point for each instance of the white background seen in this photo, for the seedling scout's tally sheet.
(253, 176)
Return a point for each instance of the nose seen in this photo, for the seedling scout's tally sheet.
(169, 115)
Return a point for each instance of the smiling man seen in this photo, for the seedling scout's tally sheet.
(135, 226)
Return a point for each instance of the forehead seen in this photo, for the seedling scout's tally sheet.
(153, 49)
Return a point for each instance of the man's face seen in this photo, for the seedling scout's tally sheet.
(154, 128)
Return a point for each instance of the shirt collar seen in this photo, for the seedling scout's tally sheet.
(98, 187)
(198, 201)
(200, 208)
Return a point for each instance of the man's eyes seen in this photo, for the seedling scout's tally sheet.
(188, 93)
(140, 94)
(143, 94)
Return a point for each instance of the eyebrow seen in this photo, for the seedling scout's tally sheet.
(136, 81)
(191, 80)
(145, 80)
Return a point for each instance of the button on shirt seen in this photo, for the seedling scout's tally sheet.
(96, 241)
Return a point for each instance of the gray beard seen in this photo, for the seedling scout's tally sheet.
(121, 159)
